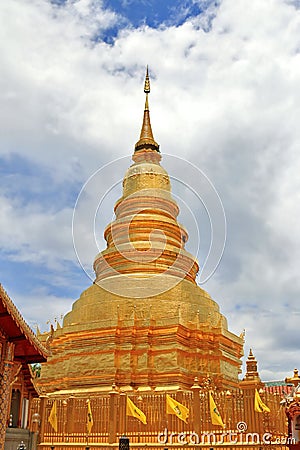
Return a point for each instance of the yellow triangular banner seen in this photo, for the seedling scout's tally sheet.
(259, 405)
(53, 416)
(133, 410)
(174, 407)
(215, 416)
(89, 419)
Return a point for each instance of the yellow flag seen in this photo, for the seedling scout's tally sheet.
(89, 419)
(132, 410)
(259, 405)
(174, 407)
(215, 416)
(53, 416)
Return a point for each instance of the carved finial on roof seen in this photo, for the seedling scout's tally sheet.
(295, 380)
(147, 82)
(251, 369)
(146, 140)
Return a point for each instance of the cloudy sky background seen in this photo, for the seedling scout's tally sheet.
(225, 80)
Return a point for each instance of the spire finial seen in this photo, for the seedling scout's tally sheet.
(146, 140)
(147, 82)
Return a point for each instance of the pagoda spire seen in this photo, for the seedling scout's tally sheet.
(146, 140)
(251, 376)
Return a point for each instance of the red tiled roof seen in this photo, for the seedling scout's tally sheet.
(28, 348)
(279, 387)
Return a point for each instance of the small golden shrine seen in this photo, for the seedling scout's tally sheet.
(144, 323)
(251, 378)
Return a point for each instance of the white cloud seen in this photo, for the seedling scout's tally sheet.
(42, 308)
(226, 98)
(28, 234)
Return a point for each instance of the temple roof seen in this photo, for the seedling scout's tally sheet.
(28, 348)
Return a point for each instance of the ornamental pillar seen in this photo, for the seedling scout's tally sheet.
(5, 391)
(196, 388)
(292, 408)
(113, 413)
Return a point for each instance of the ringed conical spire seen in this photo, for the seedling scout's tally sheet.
(146, 140)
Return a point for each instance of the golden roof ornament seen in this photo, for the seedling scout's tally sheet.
(295, 380)
(147, 82)
(251, 368)
(146, 140)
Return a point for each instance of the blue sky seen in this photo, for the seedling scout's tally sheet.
(225, 96)
(155, 13)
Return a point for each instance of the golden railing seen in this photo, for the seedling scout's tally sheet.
(110, 421)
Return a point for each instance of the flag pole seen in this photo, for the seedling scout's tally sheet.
(167, 415)
(139, 399)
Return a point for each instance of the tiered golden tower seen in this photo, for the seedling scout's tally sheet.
(144, 323)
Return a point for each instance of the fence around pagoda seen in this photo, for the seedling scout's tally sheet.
(244, 427)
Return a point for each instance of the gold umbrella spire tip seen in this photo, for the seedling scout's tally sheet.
(146, 140)
(147, 82)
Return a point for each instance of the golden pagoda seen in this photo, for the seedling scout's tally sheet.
(144, 323)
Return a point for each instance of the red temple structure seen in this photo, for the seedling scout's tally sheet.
(19, 347)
